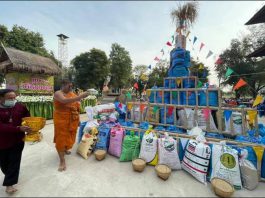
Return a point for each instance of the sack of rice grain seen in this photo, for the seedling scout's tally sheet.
(168, 153)
(116, 138)
(225, 165)
(149, 148)
(196, 159)
(130, 147)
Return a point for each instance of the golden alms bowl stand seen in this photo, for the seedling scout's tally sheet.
(36, 124)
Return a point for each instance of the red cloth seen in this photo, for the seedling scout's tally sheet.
(10, 135)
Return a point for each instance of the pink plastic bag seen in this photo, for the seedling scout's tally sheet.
(116, 138)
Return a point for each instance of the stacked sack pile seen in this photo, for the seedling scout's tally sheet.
(205, 161)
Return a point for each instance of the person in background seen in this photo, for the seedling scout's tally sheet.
(11, 137)
(66, 120)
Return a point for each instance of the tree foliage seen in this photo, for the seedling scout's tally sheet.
(195, 70)
(91, 69)
(156, 77)
(244, 67)
(120, 66)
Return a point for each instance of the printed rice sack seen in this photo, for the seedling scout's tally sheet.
(168, 153)
(130, 147)
(103, 137)
(225, 165)
(116, 138)
(196, 159)
(236, 121)
(249, 173)
(149, 148)
(87, 143)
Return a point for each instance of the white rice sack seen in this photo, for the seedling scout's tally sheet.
(89, 125)
(225, 165)
(249, 173)
(149, 147)
(104, 108)
(196, 160)
(168, 153)
(186, 120)
(236, 123)
(202, 121)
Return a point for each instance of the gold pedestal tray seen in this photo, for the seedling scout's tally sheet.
(36, 124)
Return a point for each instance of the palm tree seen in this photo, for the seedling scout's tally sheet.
(184, 16)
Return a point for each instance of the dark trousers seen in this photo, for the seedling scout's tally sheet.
(10, 163)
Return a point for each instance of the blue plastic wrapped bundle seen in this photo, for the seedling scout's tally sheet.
(178, 62)
(191, 98)
(241, 138)
(214, 135)
(80, 132)
(103, 137)
(160, 128)
(213, 98)
(166, 97)
(187, 59)
(144, 125)
(178, 53)
(169, 118)
(175, 97)
(178, 72)
(261, 109)
(261, 130)
(152, 94)
(129, 124)
(159, 95)
(174, 129)
(189, 83)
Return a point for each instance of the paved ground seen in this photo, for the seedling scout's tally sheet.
(89, 178)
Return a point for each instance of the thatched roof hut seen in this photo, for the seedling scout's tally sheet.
(13, 60)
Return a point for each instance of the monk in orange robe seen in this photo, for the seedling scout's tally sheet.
(66, 120)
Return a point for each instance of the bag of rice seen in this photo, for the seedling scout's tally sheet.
(116, 138)
(249, 173)
(196, 159)
(168, 153)
(149, 148)
(225, 165)
(130, 147)
(103, 137)
(236, 123)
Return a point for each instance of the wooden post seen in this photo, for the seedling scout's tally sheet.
(207, 107)
(165, 114)
(219, 112)
(243, 122)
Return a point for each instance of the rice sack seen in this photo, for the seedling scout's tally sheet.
(116, 138)
(103, 137)
(130, 147)
(168, 153)
(196, 159)
(225, 165)
(149, 148)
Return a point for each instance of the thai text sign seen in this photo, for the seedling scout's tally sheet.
(30, 83)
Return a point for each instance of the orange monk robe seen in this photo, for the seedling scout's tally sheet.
(66, 122)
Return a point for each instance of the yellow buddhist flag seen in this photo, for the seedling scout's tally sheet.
(201, 66)
(259, 150)
(258, 100)
(129, 106)
(178, 81)
(252, 115)
(148, 92)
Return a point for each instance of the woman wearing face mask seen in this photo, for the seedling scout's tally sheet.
(11, 137)
(66, 119)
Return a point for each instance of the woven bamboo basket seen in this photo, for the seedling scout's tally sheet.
(222, 188)
(138, 165)
(163, 171)
(100, 154)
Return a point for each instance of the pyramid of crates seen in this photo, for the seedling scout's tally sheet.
(180, 90)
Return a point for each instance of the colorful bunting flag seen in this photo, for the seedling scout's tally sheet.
(229, 71)
(129, 96)
(252, 115)
(129, 106)
(219, 61)
(142, 106)
(259, 150)
(227, 114)
(170, 110)
(174, 94)
(157, 59)
(120, 105)
(178, 81)
(239, 84)
(160, 93)
(169, 44)
(188, 33)
(209, 54)
(149, 67)
(206, 112)
(173, 38)
(202, 45)
(204, 74)
(201, 66)
(136, 85)
(195, 39)
(148, 92)
(258, 100)
(155, 108)
(162, 50)
(200, 84)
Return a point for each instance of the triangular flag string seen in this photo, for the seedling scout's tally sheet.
(239, 84)
(202, 45)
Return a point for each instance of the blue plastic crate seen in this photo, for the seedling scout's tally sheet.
(213, 98)
(191, 98)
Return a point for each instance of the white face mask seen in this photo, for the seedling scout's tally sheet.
(10, 103)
